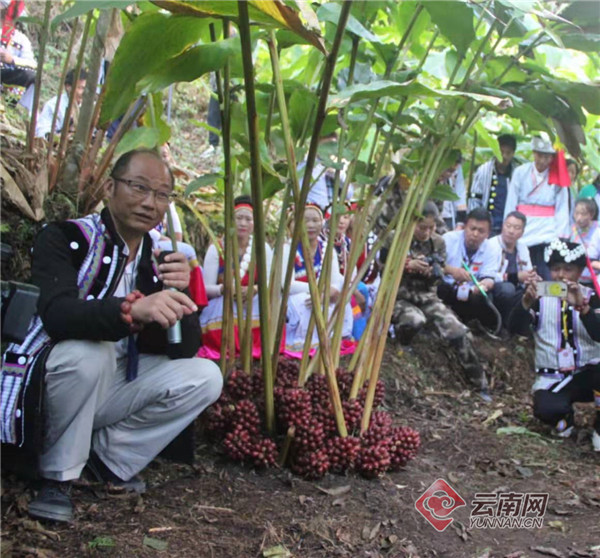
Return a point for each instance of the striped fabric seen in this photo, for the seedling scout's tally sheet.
(19, 360)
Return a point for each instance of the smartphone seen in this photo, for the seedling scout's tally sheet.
(552, 288)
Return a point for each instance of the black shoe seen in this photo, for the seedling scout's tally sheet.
(104, 475)
(53, 502)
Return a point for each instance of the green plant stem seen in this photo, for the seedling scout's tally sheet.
(310, 161)
(38, 76)
(259, 222)
(64, 134)
(61, 84)
(227, 341)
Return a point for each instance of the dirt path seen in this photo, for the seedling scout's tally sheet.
(220, 510)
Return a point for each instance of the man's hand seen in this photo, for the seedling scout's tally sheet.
(526, 277)
(574, 294)
(418, 265)
(165, 308)
(459, 274)
(530, 295)
(174, 271)
(487, 284)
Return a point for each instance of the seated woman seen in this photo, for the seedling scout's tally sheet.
(357, 308)
(299, 304)
(211, 319)
(371, 277)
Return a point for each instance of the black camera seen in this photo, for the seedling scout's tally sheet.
(18, 304)
(436, 262)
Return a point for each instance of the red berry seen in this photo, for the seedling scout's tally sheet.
(292, 406)
(246, 415)
(373, 461)
(239, 384)
(312, 465)
(353, 411)
(342, 452)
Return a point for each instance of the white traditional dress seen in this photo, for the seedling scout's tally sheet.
(298, 313)
(211, 319)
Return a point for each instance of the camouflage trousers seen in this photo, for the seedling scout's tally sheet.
(415, 310)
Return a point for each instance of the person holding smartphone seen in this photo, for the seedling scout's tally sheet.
(565, 318)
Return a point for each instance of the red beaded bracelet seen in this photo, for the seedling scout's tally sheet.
(126, 310)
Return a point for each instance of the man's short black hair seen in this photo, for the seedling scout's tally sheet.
(479, 214)
(70, 77)
(508, 140)
(122, 163)
(518, 215)
(430, 210)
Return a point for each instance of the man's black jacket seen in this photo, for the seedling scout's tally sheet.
(59, 253)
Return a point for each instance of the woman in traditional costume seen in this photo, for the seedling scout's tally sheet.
(299, 304)
(211, 319)
(357, 308)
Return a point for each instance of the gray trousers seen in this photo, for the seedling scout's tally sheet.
(89, 404)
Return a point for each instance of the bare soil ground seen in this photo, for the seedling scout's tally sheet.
(217, 509)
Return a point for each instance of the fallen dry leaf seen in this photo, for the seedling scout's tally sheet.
(337, 491)
(36, 526)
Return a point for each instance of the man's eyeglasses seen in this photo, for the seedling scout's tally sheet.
(141, 191)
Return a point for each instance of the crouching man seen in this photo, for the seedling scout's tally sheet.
(116, 392)
(567, 340)
(418, 305)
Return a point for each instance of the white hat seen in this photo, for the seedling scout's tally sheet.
(542, 145)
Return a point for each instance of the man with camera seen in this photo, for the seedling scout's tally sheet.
(118, 387)
(418, 305)
(565, 319)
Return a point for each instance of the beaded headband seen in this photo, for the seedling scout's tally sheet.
(561, 251)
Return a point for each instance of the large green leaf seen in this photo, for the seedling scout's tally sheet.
(496, 67)
(154, 118)
(488, 139)
(385, 88)
(191, 64)
(510, 15)
(272, 13)
(286, 39)
(150, 42)
(201, 181)
(551, 104)
(300, 108)
(534, 119)
(454, 20)
(582, 94)
(81, 7)
(584, 14)
(443, 192)
(148, 138)
(587, 42)
(331, 12)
